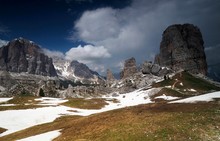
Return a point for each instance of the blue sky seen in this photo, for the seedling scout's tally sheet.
(113, 29)
(47, 22)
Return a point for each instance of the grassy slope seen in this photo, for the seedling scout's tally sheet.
(189, 82)
(143, 122)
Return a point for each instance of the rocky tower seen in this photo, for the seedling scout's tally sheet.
(22, 55)
(182, 48)
(110, 76)
(130, 68)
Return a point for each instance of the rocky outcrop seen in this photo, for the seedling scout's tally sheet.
(81, 70)
(182, 48)
(130, 68)
(155, 69)
(110, 76)
(21, 55)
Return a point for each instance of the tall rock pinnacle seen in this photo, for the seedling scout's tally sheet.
(182, 48)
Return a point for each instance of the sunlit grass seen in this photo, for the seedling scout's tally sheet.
(95, 103)
(144, 122)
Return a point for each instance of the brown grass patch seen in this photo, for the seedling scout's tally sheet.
(144, 122)
(95, 103)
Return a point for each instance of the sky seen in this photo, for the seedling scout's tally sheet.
(103, 33)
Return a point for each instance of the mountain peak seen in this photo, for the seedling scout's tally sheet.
(21, 55)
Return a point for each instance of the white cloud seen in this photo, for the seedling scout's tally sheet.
(90, 28)
(53, 54)
(136, 31)
(90, 55)
(87, 54)
(3, 42)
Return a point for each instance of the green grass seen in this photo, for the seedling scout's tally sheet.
(189, 82)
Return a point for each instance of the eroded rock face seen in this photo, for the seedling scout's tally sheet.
(21, 55)
(182, 48)
(130, 68)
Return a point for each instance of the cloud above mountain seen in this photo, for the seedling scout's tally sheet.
(136, 30)
(87, 54)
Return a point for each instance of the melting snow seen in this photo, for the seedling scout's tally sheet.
(50, 101)
(192, 90)
(8, 105)
(201, 98)
(5, 99)
(15, 120)
(48, 136)
(166, 97)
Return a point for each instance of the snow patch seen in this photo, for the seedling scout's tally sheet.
(16, 120)
(5, 99)
(192, 90)
(168, 86)
(50, 101)
(201, 98)
(166, 97)
(48, 136)
(8, 105)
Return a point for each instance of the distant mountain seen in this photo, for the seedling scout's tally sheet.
(75, 71)
(22, 55)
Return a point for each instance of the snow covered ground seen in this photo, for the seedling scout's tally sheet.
(201, 98)
(16, 120)
(48, 136)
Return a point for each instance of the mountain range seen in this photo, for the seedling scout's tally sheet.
(25, 68)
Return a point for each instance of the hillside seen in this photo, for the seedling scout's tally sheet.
(161, 116)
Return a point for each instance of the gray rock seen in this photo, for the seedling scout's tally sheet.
(155, 69)
(130, 68)
(22, 55)
(182, 48)
(146, 67)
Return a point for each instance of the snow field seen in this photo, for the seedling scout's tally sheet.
(48, 136)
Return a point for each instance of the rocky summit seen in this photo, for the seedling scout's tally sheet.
(21, 55)
(182, 48)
